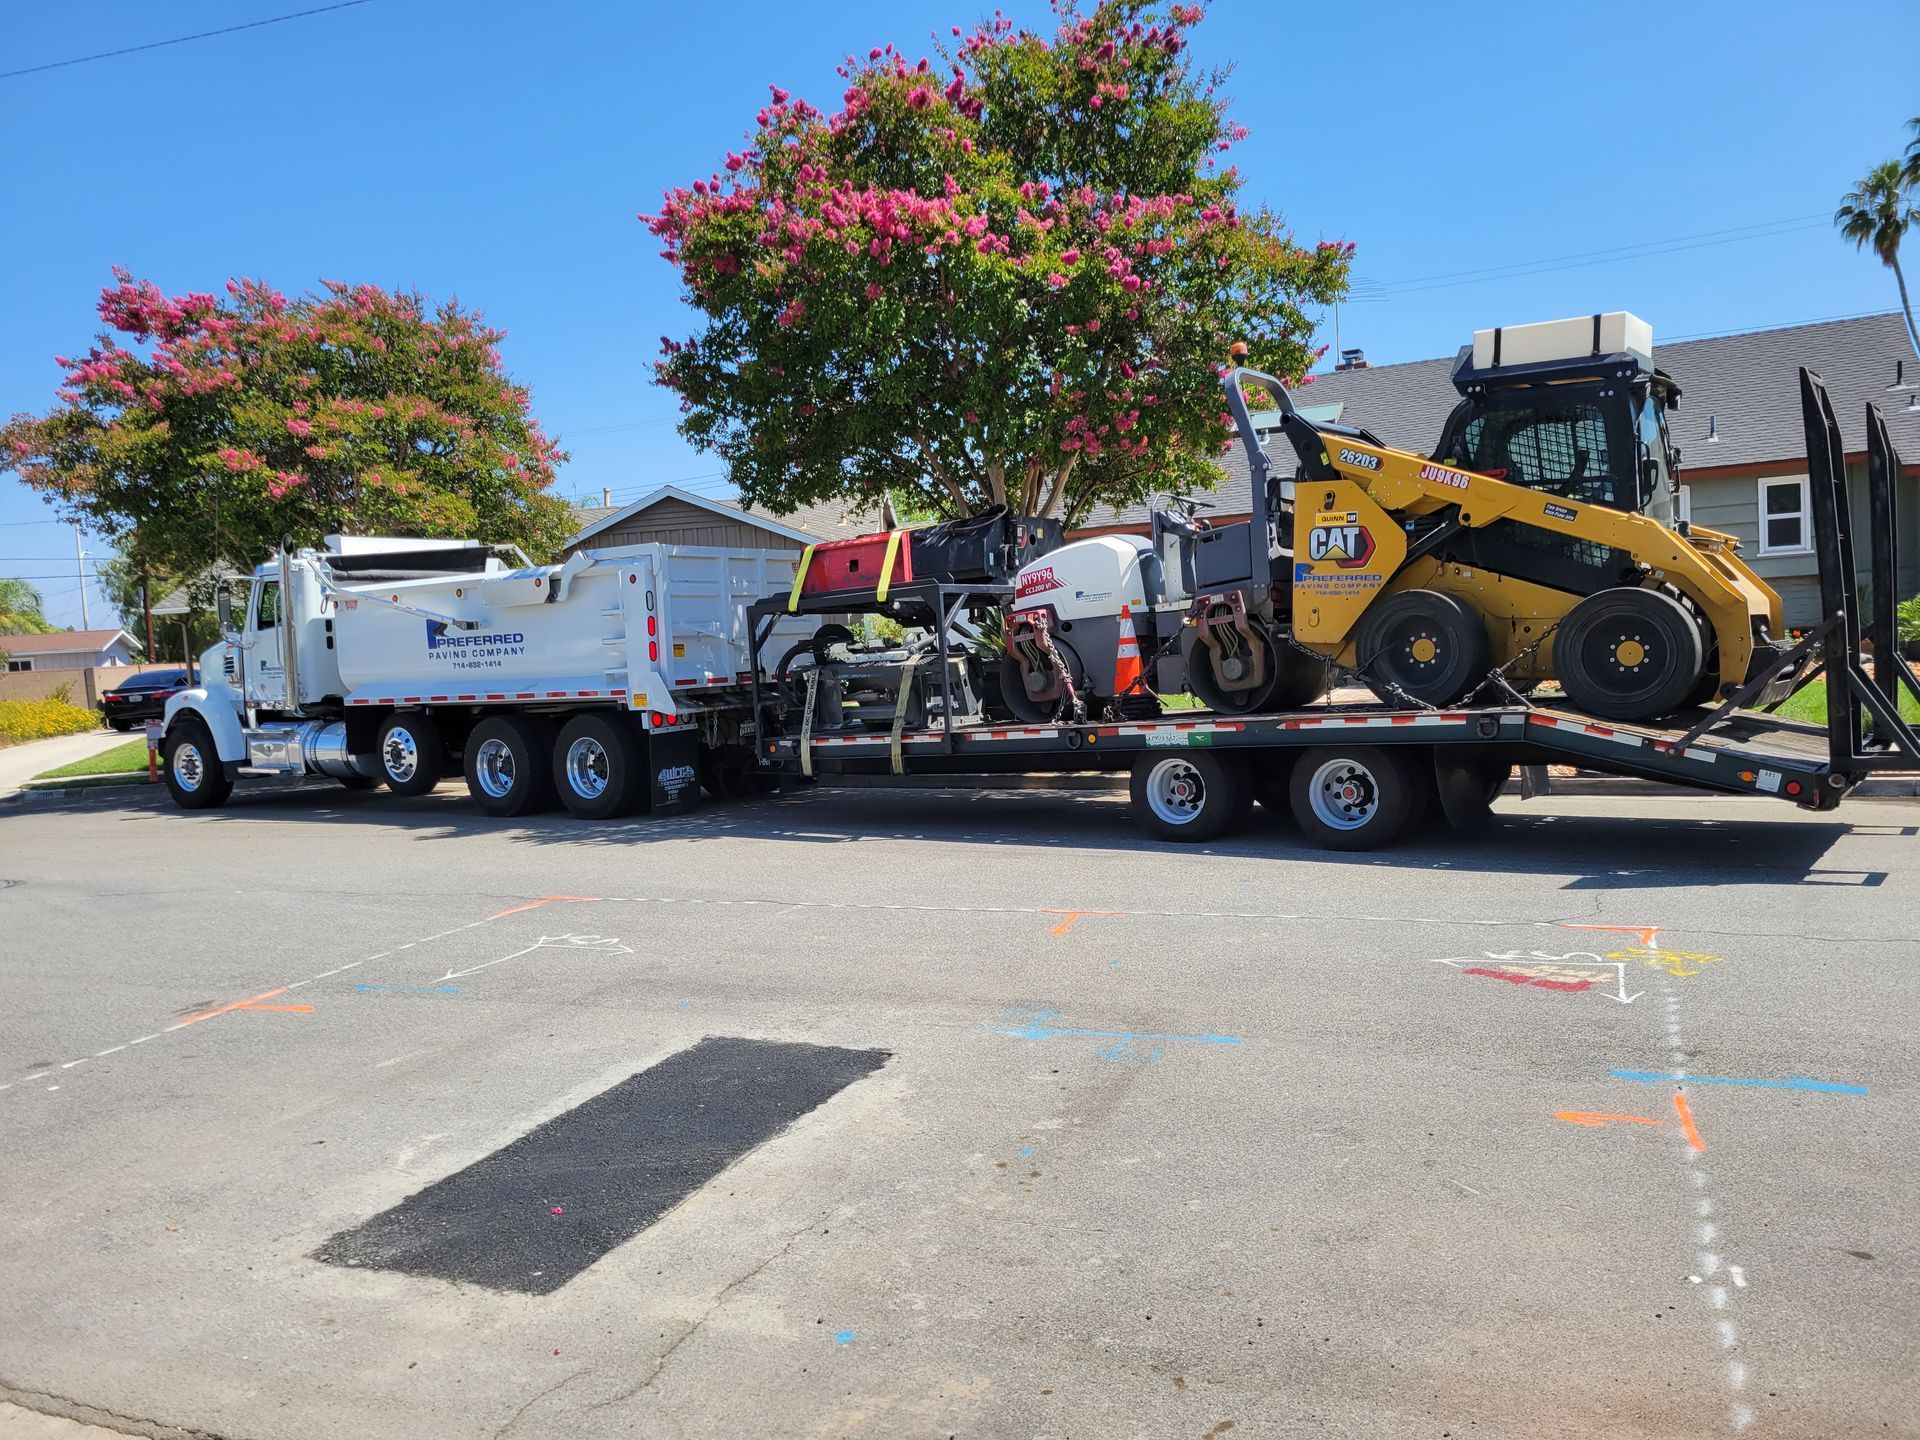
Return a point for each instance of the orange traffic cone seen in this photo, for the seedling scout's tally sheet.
(1126, 656)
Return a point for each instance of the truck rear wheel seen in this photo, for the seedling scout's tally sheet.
(510, 764)
(1354, 798)
(1189, 795)
(410, 756)
(598, 766)
(196, 778)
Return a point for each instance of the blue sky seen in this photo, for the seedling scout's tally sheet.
(500, 151)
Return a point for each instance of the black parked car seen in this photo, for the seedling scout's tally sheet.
(142, 698)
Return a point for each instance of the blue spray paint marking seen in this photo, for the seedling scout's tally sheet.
(845, 1337)
(1026, 1150)
(413, 989)
(1792, 1082)
(1122, 1050)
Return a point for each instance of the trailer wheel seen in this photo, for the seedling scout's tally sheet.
(1190, 795)
(1271, 772)
(1466, 789)
(195, 777)
(597, 767)
(510, 764)
(410, 755)
(1357, 798)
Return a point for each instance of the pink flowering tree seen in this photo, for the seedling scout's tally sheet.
(1007, 274)
(201, 429)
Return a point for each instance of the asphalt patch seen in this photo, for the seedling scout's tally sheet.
(535, 1213)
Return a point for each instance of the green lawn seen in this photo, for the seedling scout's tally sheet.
(1810, 705)
(130, 756)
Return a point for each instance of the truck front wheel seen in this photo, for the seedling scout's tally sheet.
(410, 755)
(510, 764)
(598, 767)
(195, 777)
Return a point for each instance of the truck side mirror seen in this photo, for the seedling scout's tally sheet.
(223, 607)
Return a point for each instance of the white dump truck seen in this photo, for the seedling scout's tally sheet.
(614, 683)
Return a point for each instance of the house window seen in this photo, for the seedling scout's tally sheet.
(13, 666)
(1785, 526)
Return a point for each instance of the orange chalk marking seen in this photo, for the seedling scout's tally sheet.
(1073, 915)
(251, 1003)
(289, 1009)
(1587, 1117)
(1685, 1113)
(546, 900)
(1647, 933)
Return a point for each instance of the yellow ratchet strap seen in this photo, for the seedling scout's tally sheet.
(894, 538)
(799, 579)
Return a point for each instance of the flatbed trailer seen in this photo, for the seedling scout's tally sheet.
(1356, 776)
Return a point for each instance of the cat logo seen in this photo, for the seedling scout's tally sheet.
(1347, 546)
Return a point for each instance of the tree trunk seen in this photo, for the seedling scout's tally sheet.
(1906, 305)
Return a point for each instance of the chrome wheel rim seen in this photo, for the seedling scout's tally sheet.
(1175, 792)
(589, 769)
(400, 755)
(189, 771)
(494, 768)
(1344, 795)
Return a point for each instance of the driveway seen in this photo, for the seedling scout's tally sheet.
(880, 1114)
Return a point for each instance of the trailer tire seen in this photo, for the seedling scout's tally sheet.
(1270, 772)
(410, 755)
(196, 778)
(1466, 789)
(510, 765)
(1353, 798)
(599, 766)
(1188, 795)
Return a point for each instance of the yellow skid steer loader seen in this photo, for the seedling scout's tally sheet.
(1539, 541)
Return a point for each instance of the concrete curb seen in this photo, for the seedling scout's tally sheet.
(84, 782)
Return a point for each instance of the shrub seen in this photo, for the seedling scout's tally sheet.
(23, 720)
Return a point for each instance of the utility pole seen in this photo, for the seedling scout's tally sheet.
(146, 604)
(80, 569)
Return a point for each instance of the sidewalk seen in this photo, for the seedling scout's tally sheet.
(20, 763)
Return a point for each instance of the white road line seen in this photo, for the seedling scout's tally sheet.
(293, 985)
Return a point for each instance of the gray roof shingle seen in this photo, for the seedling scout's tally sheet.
(1747, 385)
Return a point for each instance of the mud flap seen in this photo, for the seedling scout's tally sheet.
(673, 772)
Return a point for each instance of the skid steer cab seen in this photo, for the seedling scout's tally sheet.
(1537, 545)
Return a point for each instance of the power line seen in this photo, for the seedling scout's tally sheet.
(179, 39)
(1378, 292)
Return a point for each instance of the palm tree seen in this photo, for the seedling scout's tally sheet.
(1878, 211)
(20, 612)
(1912, 168)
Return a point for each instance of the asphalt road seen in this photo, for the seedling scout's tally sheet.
(1160, 1141)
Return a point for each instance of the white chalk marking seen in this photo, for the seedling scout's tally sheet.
(110, 1050)
(1717, 1297)
(1738, 1276)
(1729, 1337)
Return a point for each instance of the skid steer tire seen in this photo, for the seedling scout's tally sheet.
(1188, 795)
(1356, 797)
(1429, 644)
(1629, 653)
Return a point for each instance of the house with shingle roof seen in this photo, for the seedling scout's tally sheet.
(1738, 429)
(673, 516)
